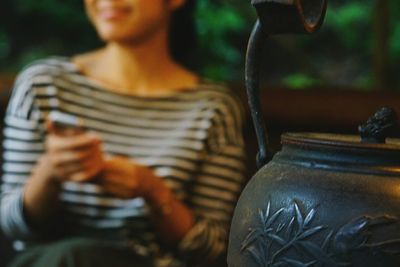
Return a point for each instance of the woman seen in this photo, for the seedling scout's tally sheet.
(153, 179)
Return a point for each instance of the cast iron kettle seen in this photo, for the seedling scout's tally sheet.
(324, 200)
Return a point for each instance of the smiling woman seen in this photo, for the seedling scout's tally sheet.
(152, 174)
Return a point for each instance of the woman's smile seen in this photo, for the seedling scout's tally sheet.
(112, 13)
(130, 20)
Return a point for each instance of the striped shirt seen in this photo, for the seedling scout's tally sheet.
(191, 139)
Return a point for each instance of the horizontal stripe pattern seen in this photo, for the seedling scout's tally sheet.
(192, 139)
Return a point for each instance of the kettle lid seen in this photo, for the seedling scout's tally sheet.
(339, 141)
(374, 134)
(343, 153)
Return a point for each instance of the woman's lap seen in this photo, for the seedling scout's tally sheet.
(80, 252)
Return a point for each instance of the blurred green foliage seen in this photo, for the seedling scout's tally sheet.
(300, 81)
(31, 29)
(340, 55)
(395, 32)
(223, 28)
(348, 21)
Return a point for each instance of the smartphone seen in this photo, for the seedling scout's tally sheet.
(66, 123)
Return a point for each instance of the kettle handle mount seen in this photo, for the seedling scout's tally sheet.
(275, 17)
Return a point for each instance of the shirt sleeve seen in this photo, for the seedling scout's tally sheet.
(22, 146)
(218, 184)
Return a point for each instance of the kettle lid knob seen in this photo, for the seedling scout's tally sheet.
(382, 124)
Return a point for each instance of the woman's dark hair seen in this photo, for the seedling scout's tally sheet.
(183, 35)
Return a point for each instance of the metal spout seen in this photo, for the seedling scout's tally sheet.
(290, 16)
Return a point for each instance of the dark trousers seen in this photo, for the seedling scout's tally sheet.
(80, 252)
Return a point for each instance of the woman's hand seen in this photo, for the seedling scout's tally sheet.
(73, 156)
(68, 156)
(126, 179)
(78, 158)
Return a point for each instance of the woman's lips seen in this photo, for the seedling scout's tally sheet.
(111, 14)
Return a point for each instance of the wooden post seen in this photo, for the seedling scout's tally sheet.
(381, 45)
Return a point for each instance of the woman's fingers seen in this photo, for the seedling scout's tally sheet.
(90, 167)
(84, 175)
(129, 182)
(117, 189)
(68, 170)
(78, 157)
(66, 158)
(78, 141)
(121, 182)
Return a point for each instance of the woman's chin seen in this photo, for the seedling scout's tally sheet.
(114, 36)
(123, 37)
